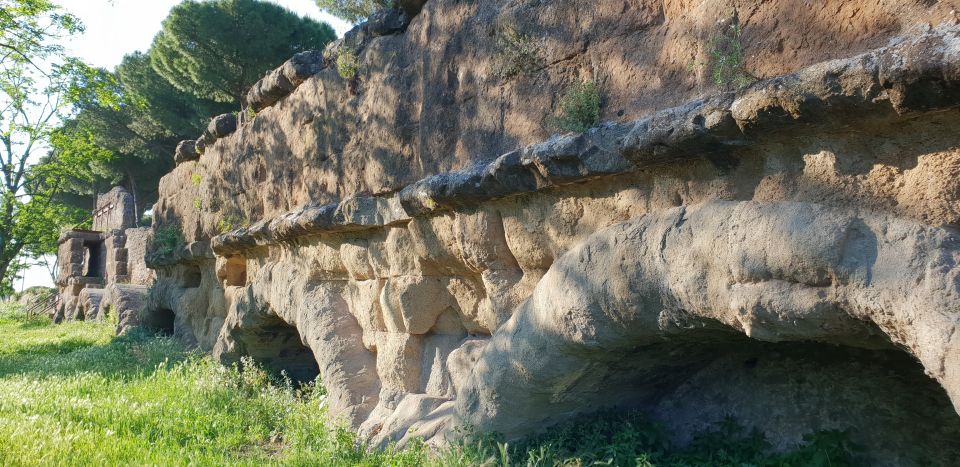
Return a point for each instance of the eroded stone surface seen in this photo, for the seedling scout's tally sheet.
(665, 257)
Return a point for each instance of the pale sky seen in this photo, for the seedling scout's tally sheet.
(115, 28)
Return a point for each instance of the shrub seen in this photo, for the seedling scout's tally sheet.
(347, 64)
(725, 59)
(224, 226)
(198, 203)
(516, 54)
(166, 239)
(579, 108)
(196, 178)
(231, 221)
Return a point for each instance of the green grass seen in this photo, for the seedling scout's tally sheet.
(73, 394)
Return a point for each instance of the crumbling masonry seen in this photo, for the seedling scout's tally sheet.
(103, 269)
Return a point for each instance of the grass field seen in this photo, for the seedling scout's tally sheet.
(73, 394)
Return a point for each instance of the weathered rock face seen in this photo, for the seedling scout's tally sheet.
(785, 254)
(430, 100)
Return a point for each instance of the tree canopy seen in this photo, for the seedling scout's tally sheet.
(136, 117)
(353, 10)
(160, 102)
(217, 49)
(35, 83)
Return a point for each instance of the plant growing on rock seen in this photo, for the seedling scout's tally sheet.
(230, 222)
(196, 179)
(166, 239)
(347, 64)
(579, 108)
(516, 54)
(725, 58)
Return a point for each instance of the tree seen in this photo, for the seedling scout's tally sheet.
(32, 95)
(353, 10)
(217, 49)
(112, 132)
(135, 116)
(160, 104)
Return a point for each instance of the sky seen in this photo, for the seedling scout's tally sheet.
(114, 28)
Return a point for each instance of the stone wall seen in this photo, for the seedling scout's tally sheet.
(784, 254)
(115, 211)
(92, 260)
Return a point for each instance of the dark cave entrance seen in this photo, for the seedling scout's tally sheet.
(881, 397)
(278, 347)
(161, 321)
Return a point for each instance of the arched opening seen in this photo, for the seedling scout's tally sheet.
(191, 277)
(278, 347)
(891, 408)
(160, 321)
(233, 273)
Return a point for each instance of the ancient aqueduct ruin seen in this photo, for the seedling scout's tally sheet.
(785, 253)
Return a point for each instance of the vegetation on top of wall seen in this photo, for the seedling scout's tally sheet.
(232, 221)
(146, 399)
(579, 108)
(517, 54)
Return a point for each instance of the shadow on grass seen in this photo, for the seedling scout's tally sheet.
(138, 353)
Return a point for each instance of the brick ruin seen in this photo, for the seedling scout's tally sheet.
(103, 267)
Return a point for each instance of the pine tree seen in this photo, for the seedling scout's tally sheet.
(217, 49)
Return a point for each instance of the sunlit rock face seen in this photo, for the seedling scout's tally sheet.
(784, 254)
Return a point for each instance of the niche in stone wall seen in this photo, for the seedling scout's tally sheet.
(94, 257)
(233, 272)
(278, 347)
(160, 320)
(190, 277)
(790, 389)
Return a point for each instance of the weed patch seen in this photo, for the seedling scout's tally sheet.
(579, 108)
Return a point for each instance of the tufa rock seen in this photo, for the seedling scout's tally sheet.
(186, 151)
(206, 139)
(302, 66)
(280, 82)
(411, 7)
(783, 254)
(222, 125)
(388, 21)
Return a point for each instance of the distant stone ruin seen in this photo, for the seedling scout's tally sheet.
(103, 268)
